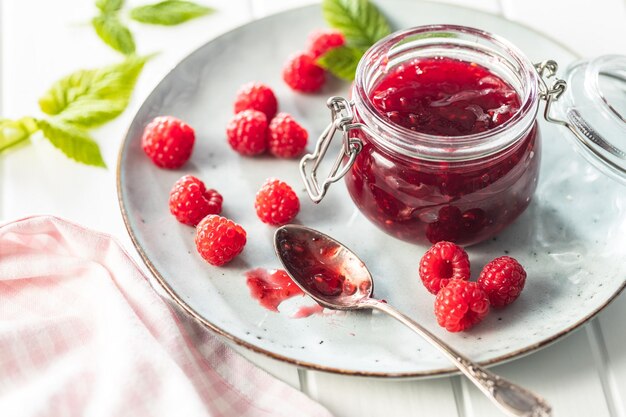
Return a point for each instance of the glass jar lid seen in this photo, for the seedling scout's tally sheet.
(593, 107)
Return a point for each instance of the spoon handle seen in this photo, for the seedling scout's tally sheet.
(511, 398)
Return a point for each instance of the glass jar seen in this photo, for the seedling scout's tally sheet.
(425, 187)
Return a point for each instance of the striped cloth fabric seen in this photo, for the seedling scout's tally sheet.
(82, 333)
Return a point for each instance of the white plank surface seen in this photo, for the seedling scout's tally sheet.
(589, 27)
(349, 396)
(1, 104)
(609, 338)
(584, 375)
(564, 373)
(264, 7)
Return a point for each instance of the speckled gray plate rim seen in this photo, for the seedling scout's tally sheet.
(568, 239)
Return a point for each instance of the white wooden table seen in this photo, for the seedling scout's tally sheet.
(42, 40)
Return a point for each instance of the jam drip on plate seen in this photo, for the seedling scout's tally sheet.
(272, 287)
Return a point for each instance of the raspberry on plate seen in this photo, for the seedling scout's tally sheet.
(256, 96)
(287, 139)
(443, 262)
(190, 201)
(276, 203)
(168, 141)
(247, 132)
(460, 305)
(301, 73)
(323, 40)
(502, 280)
(219, 240)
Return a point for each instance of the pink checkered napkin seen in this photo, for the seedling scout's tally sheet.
(82, 333)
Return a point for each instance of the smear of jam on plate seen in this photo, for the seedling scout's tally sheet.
(272, 287)
(307, 311)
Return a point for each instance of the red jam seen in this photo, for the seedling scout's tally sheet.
(445, 97)
(323, 268)
(319, 266)
(271, 288)
(307, 311)
(460, 201)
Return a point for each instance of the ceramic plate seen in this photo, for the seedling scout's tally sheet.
(572, 238)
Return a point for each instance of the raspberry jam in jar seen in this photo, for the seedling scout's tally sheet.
(445, 141)
(430, 185)
(444, 97)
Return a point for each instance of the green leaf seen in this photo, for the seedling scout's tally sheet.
(107, 6)
(89, 98)
(14, 132)
(113, 32)
(359, 20)
(73, 141)
(341, 61)
(169, 12)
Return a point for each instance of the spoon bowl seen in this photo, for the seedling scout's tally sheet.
(323, 268)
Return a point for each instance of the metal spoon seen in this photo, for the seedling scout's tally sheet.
(337, 279)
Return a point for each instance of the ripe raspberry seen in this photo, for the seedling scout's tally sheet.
(219, 239)
(256, 96)
(247, 132)
(503, 280)
(442, 263)
(301, 73)
(460, 305)
(287, 138)
(323, 40)
(168, 141)
(190, 201)
(276, 203)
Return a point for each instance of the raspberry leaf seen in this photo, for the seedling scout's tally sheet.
(359, 20)
(89, 98)
(169, 12)
(341, 61)
(73, 141)
(107, 6)
(14, 132)
(113, 32)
